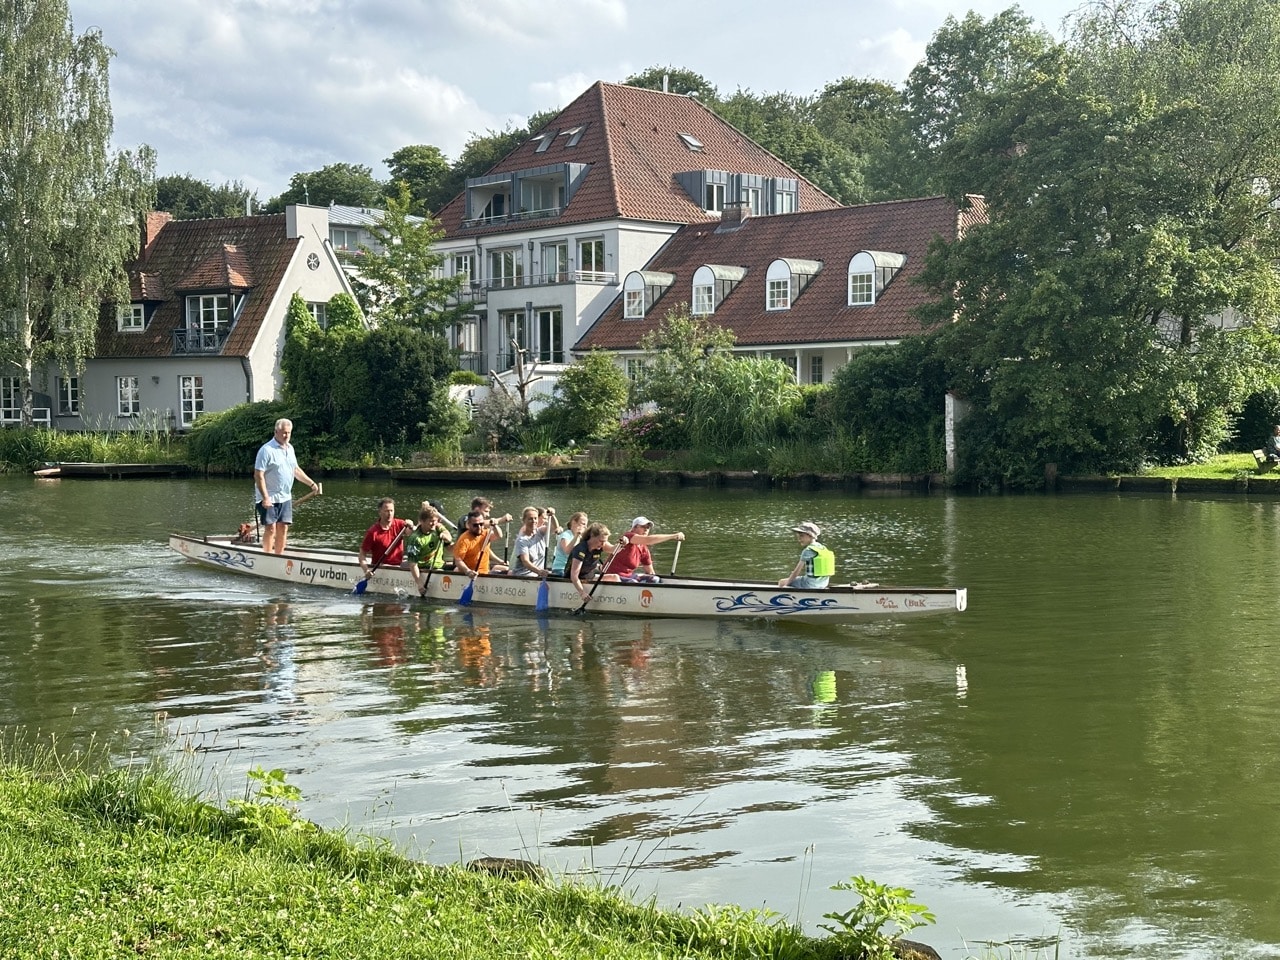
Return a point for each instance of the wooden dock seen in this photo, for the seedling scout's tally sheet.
(112, 471)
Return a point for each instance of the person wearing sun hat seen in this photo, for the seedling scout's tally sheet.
(816, 564)
(633, 562)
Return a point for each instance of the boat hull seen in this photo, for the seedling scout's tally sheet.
(674, 597)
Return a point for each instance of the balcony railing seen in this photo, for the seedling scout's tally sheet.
(516, 217)
(468, 360)
(189, 342)
(508, 360)
(544, 279)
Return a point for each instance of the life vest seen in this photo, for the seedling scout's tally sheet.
(824, 561)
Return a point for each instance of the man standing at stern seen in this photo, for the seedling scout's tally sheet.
(274, 471)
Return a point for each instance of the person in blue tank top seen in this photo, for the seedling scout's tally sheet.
(816, 565)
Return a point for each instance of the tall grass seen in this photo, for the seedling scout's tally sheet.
(27, 448)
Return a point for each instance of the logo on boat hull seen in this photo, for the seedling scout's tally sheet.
(778, 605)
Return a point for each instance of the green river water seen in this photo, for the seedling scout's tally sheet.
(1084, 760)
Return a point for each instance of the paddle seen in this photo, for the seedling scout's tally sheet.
(544, 593)
(317, 492)
(592, 592)
(363, 584)
(676, 558)
(467, 591)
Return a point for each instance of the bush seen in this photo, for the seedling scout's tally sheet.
(229, 440)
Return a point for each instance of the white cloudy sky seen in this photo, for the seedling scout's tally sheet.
(257, 90)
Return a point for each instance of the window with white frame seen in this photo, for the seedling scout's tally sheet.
(345, 238)
(131, 317)
(784, 202)
(209, 313)
(68, 396)
(591, 259)
(635, 368)
(815, 368)
(713, 197)
(751, 197)
(464, 266)
(862, 284)
(790, 361)
(515, 326)
(633, 304)
(128, 403)
(319, 313)
(550, 335)
(10, 400)
(704, 299)
(778, 295)
(555, 261)
(190, 398)
(506, 267)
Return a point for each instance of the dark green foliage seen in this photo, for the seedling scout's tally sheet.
(1257, 419)
(400, 371)
(589, 399)
(189, 199)
(889, 402)
(229, 440)
(349, 184)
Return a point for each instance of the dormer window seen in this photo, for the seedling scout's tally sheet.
(131, 318)
(869, 273)
(711, 284)
(641, 290)
(786, 280)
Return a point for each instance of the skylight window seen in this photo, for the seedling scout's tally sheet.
(544, 141)
(574, 134)
(692, 142)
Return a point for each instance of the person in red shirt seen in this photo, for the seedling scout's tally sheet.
(383, 542)
(633, 561)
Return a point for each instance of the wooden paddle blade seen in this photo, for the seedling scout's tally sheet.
(467, 591)
(544, 597)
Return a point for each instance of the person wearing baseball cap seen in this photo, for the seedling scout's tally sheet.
(816, 565)
(633, 562)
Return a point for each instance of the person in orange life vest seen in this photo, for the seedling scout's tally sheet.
(471, 548)
(633, 563)
(380, 544)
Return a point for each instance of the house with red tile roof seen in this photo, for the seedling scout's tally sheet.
(808, 288)
(206, 323)
(545, 237)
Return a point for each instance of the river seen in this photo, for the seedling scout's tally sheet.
(1082, 764)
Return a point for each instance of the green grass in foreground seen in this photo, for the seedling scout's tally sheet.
(123, 863)
(1225, 466)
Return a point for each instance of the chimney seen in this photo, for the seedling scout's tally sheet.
(733, 216)
(151, 226)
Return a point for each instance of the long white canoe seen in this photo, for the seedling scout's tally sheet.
(673, 597)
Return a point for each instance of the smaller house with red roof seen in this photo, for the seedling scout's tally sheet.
(205, 326)
(807, 288)
(545, 237)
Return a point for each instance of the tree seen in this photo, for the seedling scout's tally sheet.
(400, 284)
(348, 184)
(1125, 219)
(589, 399)
(678, 80)
(425, 171)
(189, 199)
(676, 354)
(69, 207)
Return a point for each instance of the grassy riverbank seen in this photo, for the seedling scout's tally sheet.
(124, 863)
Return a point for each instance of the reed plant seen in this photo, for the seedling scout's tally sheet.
(151, 440)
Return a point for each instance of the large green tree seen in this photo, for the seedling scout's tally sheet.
(425, 171)
(189, 198)
(69, 206)
(348, 184)
(1126, 220)
(400, 283)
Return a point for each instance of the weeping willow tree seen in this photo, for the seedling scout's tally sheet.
(69, 205)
